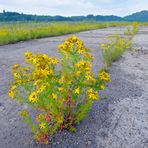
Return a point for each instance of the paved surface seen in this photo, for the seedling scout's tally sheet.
(127, 120)
(119, 121)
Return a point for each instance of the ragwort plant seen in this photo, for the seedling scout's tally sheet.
(132, 30)
(113, 50)
(61, 91)
(135, 28)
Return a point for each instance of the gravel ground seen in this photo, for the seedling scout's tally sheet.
(116, 122)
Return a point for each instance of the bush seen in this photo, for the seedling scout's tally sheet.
(113, 50)
(132, 30)
(61, 91)
(135, 28)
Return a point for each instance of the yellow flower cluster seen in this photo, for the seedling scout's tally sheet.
(71, 45)
(40, 117)
(33, 97)
(64, 96)
(11, 92)
(24, 113)
(104, 76)
(43, 64)
(92, 94)
(77, 91)
(84, 65)
(54, 96)
(43, 125)
(114, 48)
(60, 119)
(16, 66)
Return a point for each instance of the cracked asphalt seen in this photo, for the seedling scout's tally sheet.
(119, 121)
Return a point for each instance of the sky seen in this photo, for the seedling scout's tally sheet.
(74, 7)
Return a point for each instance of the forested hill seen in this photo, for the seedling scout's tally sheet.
(14, 16)
(138, 16)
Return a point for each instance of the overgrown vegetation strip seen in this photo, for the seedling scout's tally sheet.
(21, 31)
(117, 45)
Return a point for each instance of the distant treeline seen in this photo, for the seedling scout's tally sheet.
(14, 16)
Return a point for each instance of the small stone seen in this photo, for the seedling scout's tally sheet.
(12, 120)
(2, 107)
(88, 142)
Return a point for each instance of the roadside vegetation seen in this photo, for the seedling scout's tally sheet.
(61, 98)
(133, 29)
(61, 92)
(15, 32)
(114, 49)
(117, 45)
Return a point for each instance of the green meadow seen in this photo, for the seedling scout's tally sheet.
(22, 31)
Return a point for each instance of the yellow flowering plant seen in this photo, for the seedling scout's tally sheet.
(115, 47)
(133, 30)
(62, 91)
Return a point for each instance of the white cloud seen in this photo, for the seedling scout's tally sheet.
(48, 7)
(74, 7)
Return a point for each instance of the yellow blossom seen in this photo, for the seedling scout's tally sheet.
(102, 86)
(13, 87)
(93, 96)
(104, 76)
(60, 89)
(40, 117)
(37, 83)
(47, 142)
(80, 63)
(11, 93)
(61, 80)
(68, 82)
(45, 56)
(74, 38)
(46, 72)
(16, 66)
(28, 54)
(60, 119)
(54, 61)
(90, 90)
(24, 113)
(16, 75)
(80, 51)
(88, 77)
(78, 73)
(102, 45)
(41, 89)
(77, 91)
(43, 125)
(89, 56)
(54, 96)
(33, 97)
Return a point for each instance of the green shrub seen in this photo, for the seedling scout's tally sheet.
(113, 50)
(132, 31)
(61, 92)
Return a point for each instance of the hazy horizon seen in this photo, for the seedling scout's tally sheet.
(75, 8)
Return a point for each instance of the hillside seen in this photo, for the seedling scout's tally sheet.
(138, 16)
